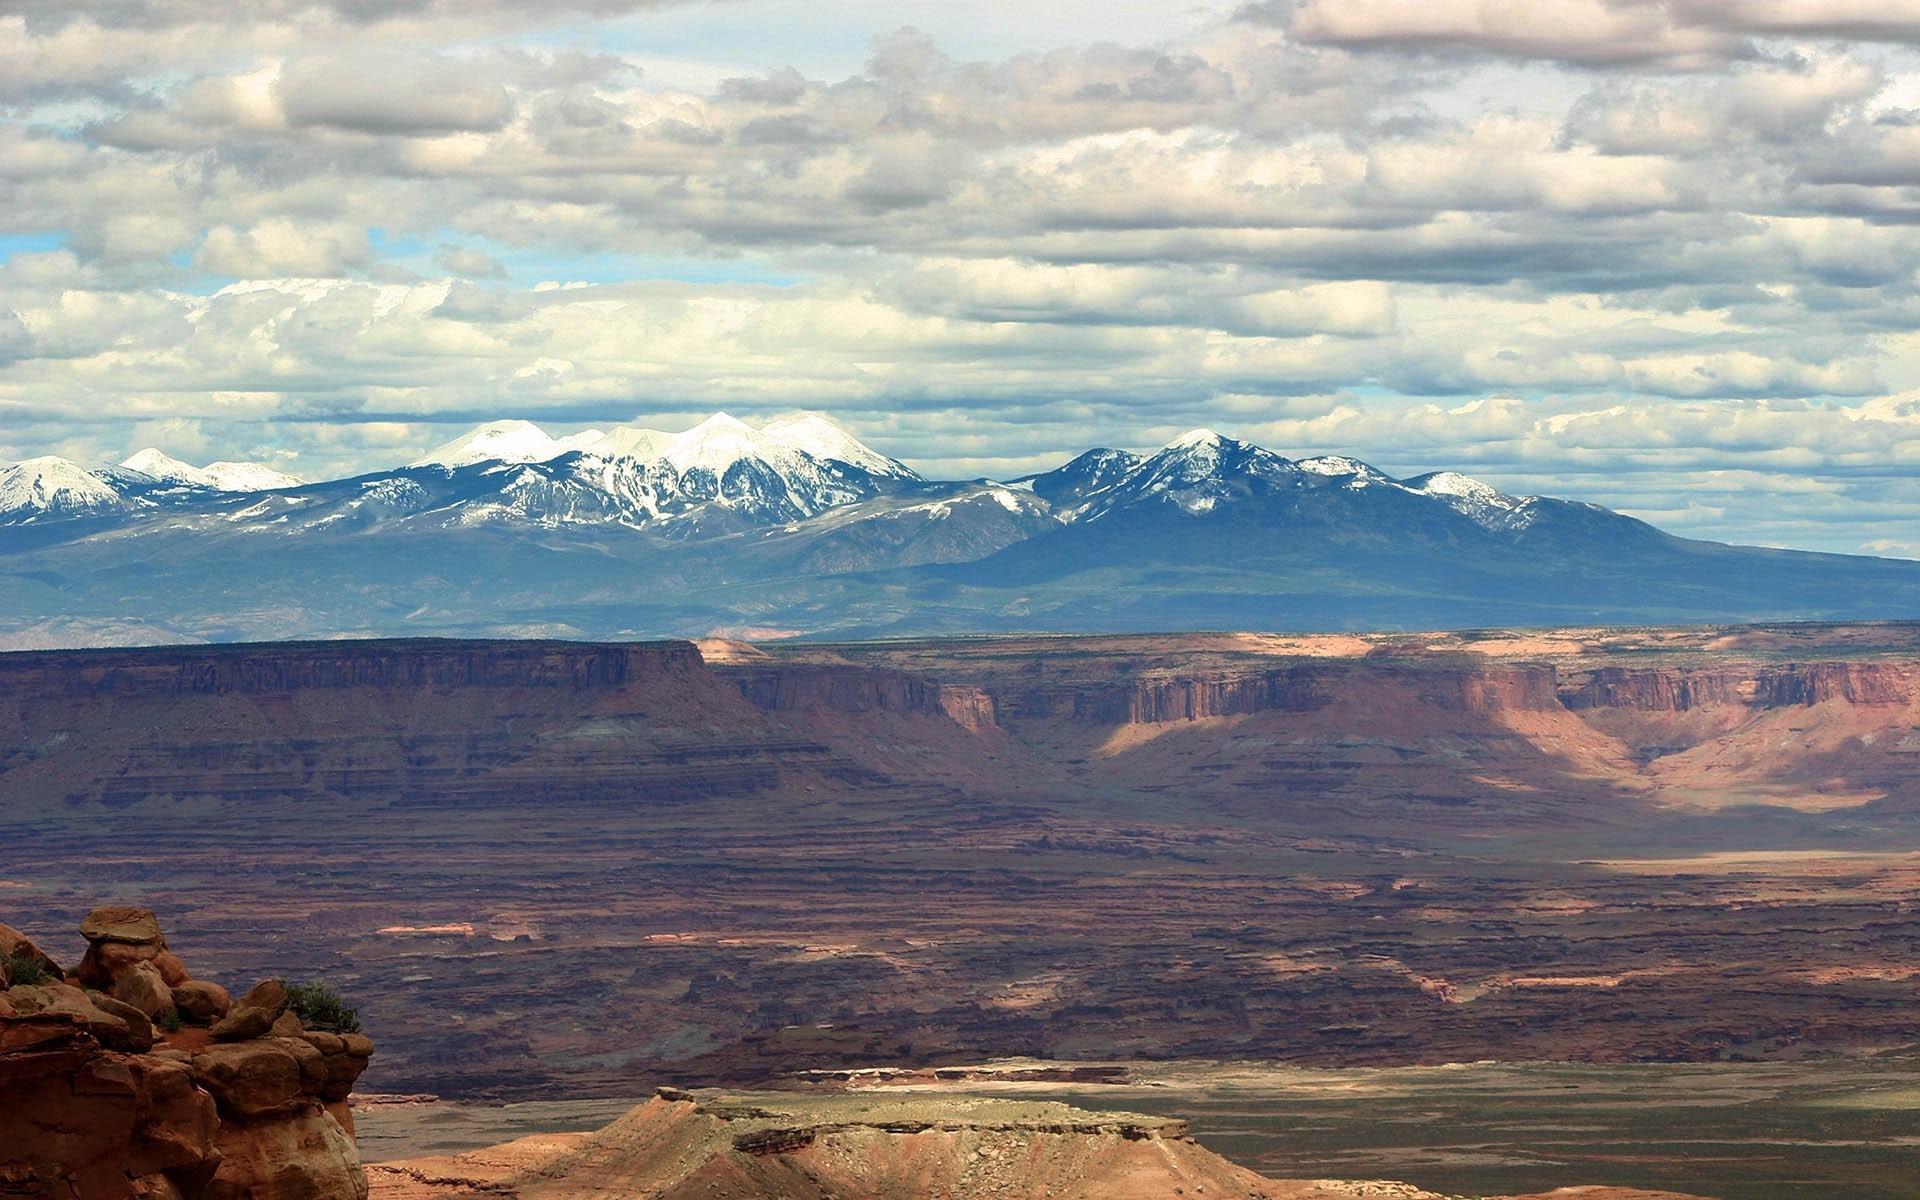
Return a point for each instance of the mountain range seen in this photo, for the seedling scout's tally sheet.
(797, 528)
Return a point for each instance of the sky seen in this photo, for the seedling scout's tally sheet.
(1655, 254)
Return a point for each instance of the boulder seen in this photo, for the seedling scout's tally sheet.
(287, 1025)
(200, 1002)
(251, 1080)
(144, 989)
(105, 962)
(64, 1002)
(243, 1024)
(171, 968)
(14, 944)
(313, 1064)
(139, 1024)
(308, 1157)
(343, 1061)
(270, 994)
(117, 923)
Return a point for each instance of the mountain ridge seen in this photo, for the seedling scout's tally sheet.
(796, 528)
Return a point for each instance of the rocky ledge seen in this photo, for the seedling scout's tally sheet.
(127, 1077)
(710, 1145)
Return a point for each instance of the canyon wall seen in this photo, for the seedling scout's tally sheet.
(627, 860)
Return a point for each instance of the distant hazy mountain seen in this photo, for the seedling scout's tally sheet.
(796, 527)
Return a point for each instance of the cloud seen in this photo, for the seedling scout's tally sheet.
(1586, 32)
(1677, 240)
(1687, 35)
(393, 94)
(281, 246)
(470, 263)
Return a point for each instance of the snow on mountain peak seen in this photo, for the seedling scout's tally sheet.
(1194, 439)
(717, 443)
(1336, 465)
(504, 441)
(159, 464)
(53, 484)
(815, 434)
(1473, 498)
(631, 441)
(220, 476)
(1452, 483)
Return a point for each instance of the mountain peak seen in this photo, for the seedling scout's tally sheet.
(715, 444)
(503, 441)
(157, 463)
(220, 476)
(1194, 439)
(822, 437)
(50, 483)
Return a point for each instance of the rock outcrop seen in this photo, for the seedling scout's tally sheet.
(129, 1078)
(710, 1146)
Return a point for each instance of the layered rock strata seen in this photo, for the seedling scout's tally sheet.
(712, 1146)
(127, 1077)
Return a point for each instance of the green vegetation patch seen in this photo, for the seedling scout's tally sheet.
(320, 1007)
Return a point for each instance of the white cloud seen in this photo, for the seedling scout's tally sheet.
(382, 93)
(281, 246)
(1590, 32)
(1672, 240)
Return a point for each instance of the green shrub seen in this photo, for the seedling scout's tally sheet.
(170, 1022)
(28, 972)
(320, 1007)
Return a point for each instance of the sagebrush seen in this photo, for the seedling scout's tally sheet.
(320, 1007)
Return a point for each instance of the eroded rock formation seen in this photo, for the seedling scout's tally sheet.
(685, 1145)
(128, 1078)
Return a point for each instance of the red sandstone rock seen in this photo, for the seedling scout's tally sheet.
(144, 989)
(251, 1079)
(77, 1121)
(14, 944)
(342, 1057)
(307, 1157)
(171, 968)
(261, 1118)
(139, 1024)
(242, 1024)
(269, 995)
(123, 924)
(753, 1147)
(200, 1002)
(67, 1003)
(105, 962)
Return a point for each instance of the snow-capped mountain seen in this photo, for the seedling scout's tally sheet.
(50, 487)
(1199, 471)
(713, 445)
(503, 441)
(720, 475)
(219, 476)
(796, 525)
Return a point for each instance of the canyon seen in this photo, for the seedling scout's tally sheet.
(725, 863)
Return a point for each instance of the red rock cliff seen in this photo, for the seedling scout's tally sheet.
(818, 687)
(148, 1083)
